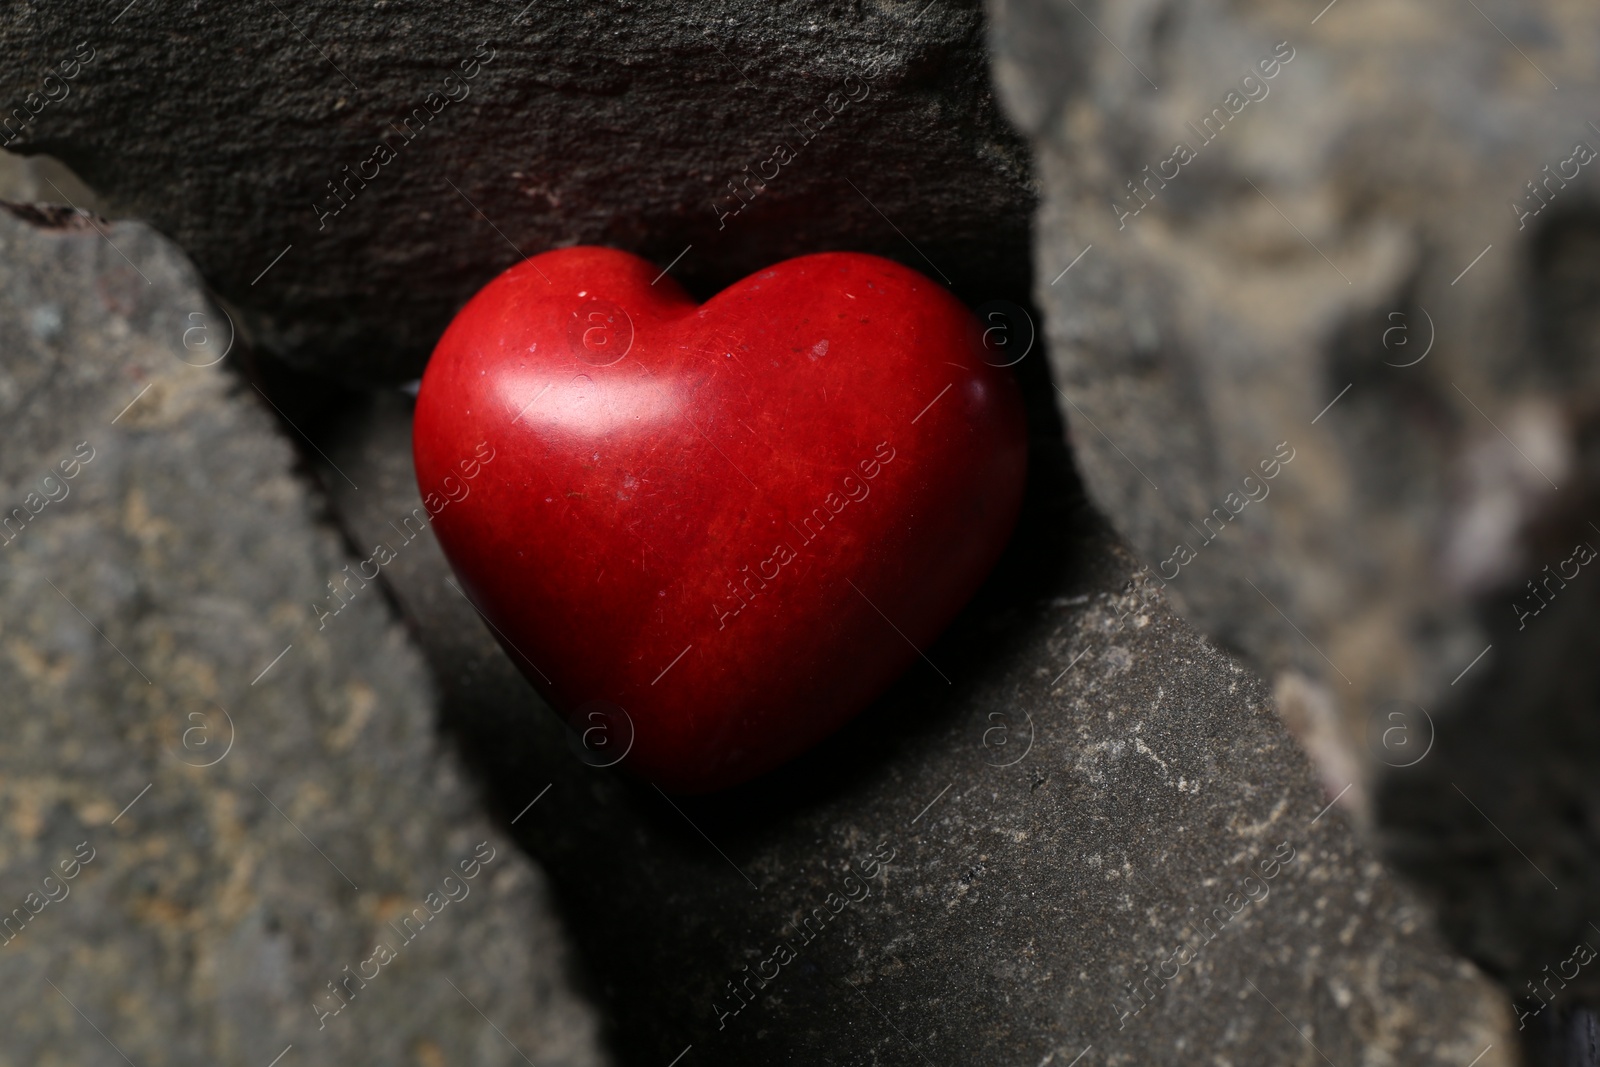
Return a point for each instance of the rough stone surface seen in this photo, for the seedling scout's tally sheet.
(1093, 777)
(1338, 269)
(258, 799)
(618, 123)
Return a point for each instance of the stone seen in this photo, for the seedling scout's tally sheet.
(1032, 821)
(252, 137)
(43, 180)
(1364, 237)
(213, 808)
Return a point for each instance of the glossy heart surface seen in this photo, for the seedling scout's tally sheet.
(710, 534)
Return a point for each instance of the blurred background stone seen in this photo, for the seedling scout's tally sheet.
(260, 799)
(1093, 778)
(231, 130)
(1381, 255)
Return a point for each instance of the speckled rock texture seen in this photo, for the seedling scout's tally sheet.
(252, 132)
(210, 809)
(978, 870)
(1365, 237)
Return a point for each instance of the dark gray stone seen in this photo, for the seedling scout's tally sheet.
(258, 800)
(1094, 778)
(617, 124)
(1338, 270)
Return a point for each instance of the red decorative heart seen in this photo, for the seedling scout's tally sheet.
(710, 534)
